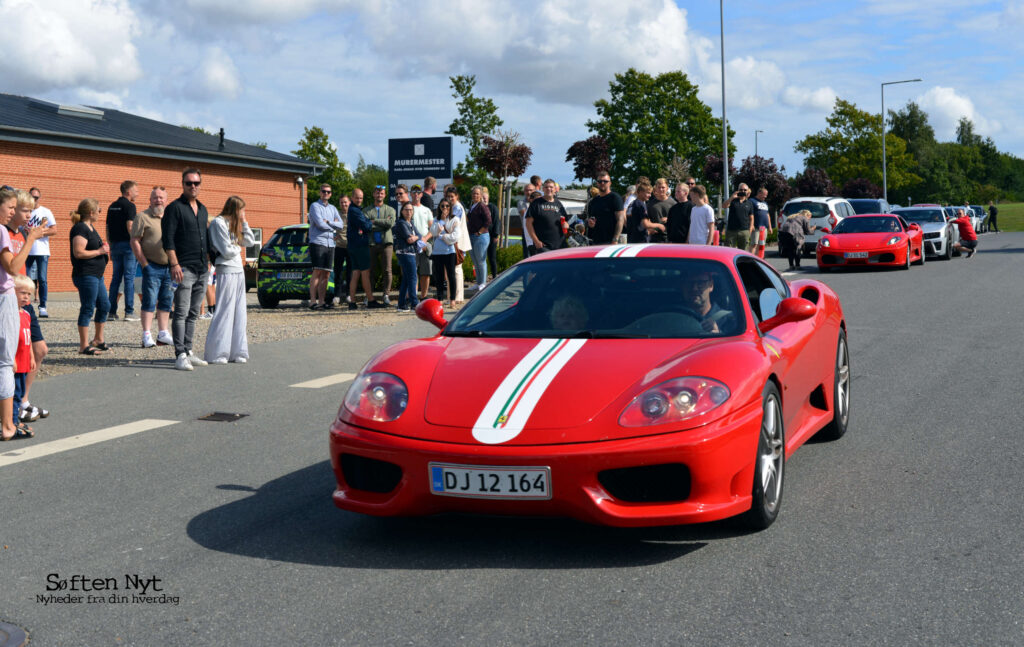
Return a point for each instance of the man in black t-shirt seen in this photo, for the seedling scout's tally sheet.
(606, 216)
(740, 223)
(679, 215)
(544, 220)
(657, 212)
(993, 212)
(120, 218)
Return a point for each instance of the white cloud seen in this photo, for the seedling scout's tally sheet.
(945, 108)
(822, 99)
(219, 74)
(58, 44)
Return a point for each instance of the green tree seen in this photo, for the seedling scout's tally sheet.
(316, 147)
(649, 121)
(477, 117)
(911, 125)
(368, 177)
(851, 147)
(198, 129)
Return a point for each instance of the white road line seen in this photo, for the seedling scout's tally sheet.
(15, 455)
(330, 380)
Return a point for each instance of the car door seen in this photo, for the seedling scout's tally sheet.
(786, 347)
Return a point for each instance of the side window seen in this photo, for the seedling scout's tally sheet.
(903, 222)
(765, 290)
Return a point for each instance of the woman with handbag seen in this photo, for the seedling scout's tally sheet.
(445, 234)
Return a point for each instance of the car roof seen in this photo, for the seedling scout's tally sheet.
(872, 215)
(645, 250)
(816, 198)
(919, 208)
(304, 225)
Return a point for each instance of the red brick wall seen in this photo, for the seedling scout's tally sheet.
(66, 175)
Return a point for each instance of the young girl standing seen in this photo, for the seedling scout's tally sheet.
(229, 236)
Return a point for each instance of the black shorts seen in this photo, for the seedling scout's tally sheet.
(322, 257)
(360, 258)
(37, 332)
(969, 244)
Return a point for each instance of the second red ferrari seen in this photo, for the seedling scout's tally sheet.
(871, 239)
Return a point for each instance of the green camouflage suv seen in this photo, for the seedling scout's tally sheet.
(285, 267)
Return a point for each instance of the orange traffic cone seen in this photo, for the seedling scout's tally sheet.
(762, 237)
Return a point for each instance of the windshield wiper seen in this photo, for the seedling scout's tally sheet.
(466, 333)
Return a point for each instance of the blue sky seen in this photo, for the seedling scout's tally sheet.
(372, 69)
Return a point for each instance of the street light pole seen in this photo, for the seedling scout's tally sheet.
(885, 183)
(755, 141)
(725, 124)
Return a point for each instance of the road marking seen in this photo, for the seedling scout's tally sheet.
(330, 380)
(81, 440)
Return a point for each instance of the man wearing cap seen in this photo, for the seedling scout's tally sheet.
(382, 243)
(422, 219)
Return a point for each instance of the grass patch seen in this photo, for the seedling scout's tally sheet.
(1011, 216)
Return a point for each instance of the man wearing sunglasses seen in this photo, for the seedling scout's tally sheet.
(382, 244)
(605, 214)
(184, 239)
(324, 222)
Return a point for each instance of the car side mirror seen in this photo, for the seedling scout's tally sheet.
(789, 310)
(431, 311)
(914, 225)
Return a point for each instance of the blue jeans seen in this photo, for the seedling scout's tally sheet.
(407, 288)
(156, 288)
(19, 394)
(92, 294)
(124, 271)
(36, 266)
(479, 255)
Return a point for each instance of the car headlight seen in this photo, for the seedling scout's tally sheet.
(893, 240)
(825, 242)
(377, 396)
(674, 401)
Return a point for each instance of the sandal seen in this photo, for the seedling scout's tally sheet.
(89, 350)
(21, 431)
(102, 345)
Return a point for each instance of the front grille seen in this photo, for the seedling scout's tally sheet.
(370, 474)
(829, 259)
(668, 482)
(933, 234)
(887, 258)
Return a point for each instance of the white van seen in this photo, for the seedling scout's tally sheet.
(826, 213)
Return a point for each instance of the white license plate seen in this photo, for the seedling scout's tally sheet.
(289, 275)
(490, 482)
(855, 255)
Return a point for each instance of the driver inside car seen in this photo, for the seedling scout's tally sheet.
(568, 313)
(697, 289)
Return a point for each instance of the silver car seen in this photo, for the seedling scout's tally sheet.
(940, 235)
(826, 213)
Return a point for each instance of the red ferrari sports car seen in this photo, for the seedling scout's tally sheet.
(871, 239)
(626, 385)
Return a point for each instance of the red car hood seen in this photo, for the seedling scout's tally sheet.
(535, 391)
(865, 241)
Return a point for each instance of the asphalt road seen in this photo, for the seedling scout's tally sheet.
(906, 531)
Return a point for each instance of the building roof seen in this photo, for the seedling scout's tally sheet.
(24, 119)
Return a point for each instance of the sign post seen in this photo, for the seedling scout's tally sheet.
(413, 159)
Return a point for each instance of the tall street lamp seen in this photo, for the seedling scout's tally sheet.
(885, 185)
(755, 141)
(725, 124)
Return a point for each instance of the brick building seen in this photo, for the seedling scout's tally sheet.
(74, 152)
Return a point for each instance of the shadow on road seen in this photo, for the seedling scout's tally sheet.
(292, 519)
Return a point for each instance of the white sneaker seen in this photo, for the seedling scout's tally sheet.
(43, 313)
(240, 360)
(182, 363)
(387, 301)
(163, 338)
(206, 315)
(147, 340)
(195, 360)
(219, 360)
(337, 301)
(131, 317)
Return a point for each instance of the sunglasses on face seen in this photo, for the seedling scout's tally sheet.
(191, 183)
(604, 181)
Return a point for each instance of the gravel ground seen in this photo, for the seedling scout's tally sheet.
(290, 320)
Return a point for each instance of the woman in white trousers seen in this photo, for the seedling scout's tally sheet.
(229, 236)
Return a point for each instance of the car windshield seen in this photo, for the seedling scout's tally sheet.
(611, 298)
(866, 206)
(867, 225)
(289, 238)
(921, 215)
(817, 209)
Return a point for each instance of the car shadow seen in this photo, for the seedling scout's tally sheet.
(292, 519)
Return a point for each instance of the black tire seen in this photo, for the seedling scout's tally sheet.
(835, 429)
(266, 301)
(921, 261)
(906, 265)
(948, 254)
(769, 463)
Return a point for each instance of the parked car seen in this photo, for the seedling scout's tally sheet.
(872, 239)
(285, 267)
(870, 205)
(826, 213)
(982, 214)
(685, 351)
(938, 234)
